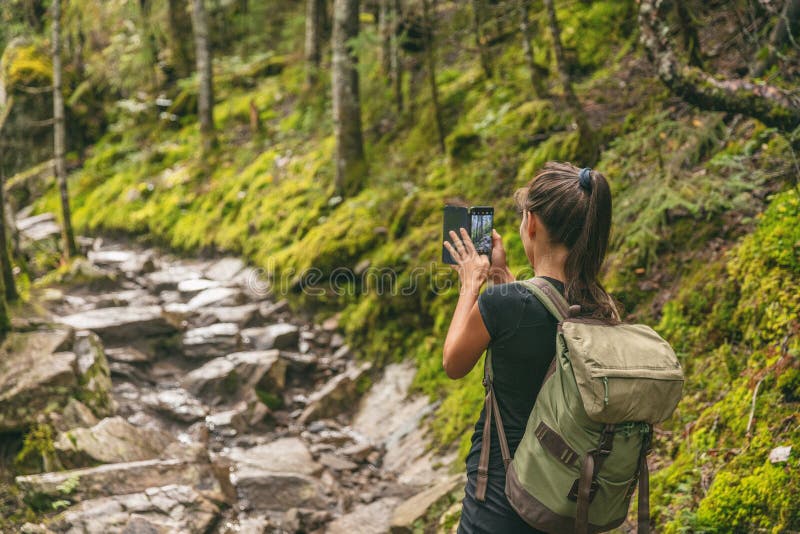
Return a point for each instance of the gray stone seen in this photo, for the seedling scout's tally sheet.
(39, 374)
(277, 476)
(178, 404)
(225, 269)
(39, 227)
(128, 354)
(370, 518)
(157, 510)
(337, 395)
(74, 415)
(211, 341)
(121, 323)
(124, 478)
(241, 315)
(168, 279)
(111, 440)
(274, 336)
(217, 296)
(196, 285)
(417, 507)
(336, 463)
(268, 310)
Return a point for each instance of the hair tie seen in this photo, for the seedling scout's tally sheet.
(585, 178)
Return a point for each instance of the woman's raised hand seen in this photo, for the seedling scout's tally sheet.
(499, 272)
(473, 268)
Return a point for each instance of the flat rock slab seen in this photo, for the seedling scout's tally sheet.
(128, 354)
(241, 315)
(274, 336)
(417, 507)
(123, 478)
(224, 270)
(121, 323)
(39, 227)
(171, 508)
(282, 455)
(112, 440)
(372, 518)
(169, 278)
(217, 296)
(211, 341)
(196, 285)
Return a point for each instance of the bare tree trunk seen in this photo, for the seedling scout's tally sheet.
(350, 163)
(525, 29)
(430, 55)
(396, 64)
(180, 36)
(771, 105)
(205, 97)
(313, 46)
(67, 236)
(588, 145)
(5, 257)
(483, 53)
(783, 31)
(385, 34)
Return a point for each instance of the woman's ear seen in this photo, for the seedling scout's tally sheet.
(532, 224)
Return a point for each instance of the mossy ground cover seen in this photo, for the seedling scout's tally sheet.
(681, 179)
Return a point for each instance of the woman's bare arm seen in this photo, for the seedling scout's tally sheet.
(467, 336)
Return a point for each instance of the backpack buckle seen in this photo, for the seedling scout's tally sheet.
(573, 492)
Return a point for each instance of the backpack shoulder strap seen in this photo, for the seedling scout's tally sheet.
(548, 295)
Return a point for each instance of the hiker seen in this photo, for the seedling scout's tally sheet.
(565, 223)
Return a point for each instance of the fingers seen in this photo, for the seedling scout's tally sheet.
(453, 253)
(468, 244)
(458, 243)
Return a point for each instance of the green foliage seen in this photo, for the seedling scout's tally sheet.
(38, 450)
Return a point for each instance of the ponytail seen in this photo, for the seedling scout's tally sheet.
(575, 207)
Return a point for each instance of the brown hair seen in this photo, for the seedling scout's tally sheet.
(579, 218)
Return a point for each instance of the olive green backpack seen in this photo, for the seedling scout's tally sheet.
(585, 444)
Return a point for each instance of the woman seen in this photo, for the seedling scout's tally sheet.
(566, 220)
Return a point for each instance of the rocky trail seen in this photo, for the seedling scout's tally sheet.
(184, 398)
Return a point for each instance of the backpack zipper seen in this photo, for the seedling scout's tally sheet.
(605, 389)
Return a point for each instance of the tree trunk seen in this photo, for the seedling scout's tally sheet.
(5, 257)
(588, 145)
(385, 34)
(205, 97)
(67, 236)
(313, 46)
(771, 105)
(350, 162)
(483, 53)
(396, 64)
(149, 46)
(180, 35)
(535, 71)
(430, 55)
(783, 31)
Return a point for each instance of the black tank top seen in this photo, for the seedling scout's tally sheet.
(523, 335)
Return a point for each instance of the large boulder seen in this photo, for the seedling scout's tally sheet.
(121, 323)
(225, 378)
(277, 476)
(372, 518)
(40, 371)
(111, 440)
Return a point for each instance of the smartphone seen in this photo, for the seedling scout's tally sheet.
(455, 217)
(478, 221)
(481, 224)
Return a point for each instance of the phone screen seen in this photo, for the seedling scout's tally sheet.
(481, 223)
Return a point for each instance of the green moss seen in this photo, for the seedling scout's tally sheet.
(38, 451)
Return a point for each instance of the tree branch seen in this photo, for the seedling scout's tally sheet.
(771, 105)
